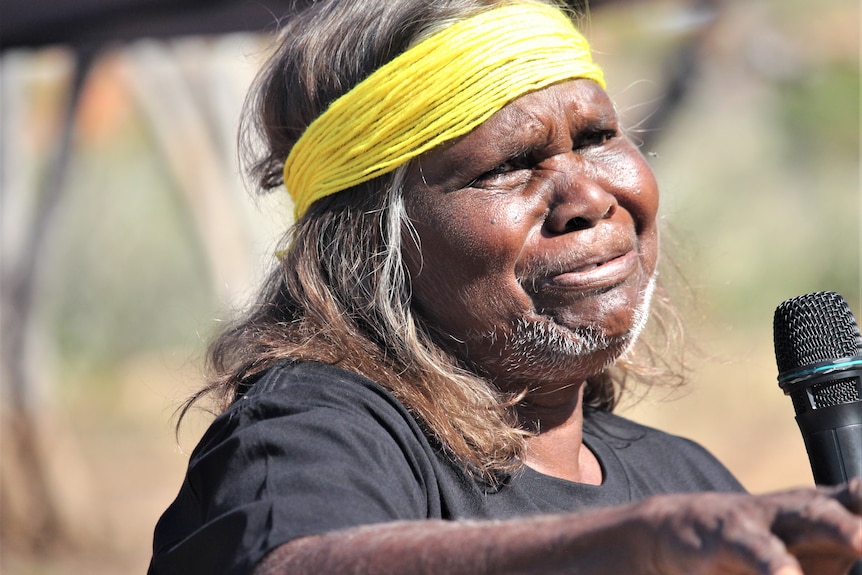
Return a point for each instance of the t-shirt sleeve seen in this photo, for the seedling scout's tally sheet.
(317, 455)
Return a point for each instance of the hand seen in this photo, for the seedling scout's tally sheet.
(816, 559)
(805, 531)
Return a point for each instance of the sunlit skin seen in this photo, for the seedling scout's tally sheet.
(545, 214)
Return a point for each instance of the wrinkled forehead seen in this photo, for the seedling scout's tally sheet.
(438, 90)
(540, 122)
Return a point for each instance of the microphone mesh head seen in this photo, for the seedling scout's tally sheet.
(812, 328)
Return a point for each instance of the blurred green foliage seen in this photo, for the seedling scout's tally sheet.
(820, 117)
(128, 275)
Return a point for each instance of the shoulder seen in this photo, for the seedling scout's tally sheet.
(306, 392)
(623, 433)
(306, 411)
(308, 449)
(657, 461)
(310, 383)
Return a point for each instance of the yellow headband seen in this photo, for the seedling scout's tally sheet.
(441, 88)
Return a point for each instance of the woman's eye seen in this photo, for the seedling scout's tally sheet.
(499, 170)
(503, 168)
(595, 138)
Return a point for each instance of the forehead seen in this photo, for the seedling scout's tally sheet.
(545, 120)
(574, 101)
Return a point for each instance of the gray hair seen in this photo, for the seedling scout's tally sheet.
(340, 293)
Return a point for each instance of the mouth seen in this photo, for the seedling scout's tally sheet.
(596, 275)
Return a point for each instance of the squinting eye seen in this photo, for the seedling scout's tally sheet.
(594, 138)
(499, 170)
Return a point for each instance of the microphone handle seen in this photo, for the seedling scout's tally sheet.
(833, 439)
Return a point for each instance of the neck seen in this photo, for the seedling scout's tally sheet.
(557, 448)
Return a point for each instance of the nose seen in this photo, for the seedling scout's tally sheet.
(579, 202)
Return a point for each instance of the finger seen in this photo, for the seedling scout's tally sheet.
(761, 552)
(736, 542)
(824, 564)
(821, 521)
(850, 495)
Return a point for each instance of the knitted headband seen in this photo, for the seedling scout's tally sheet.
(443, 87)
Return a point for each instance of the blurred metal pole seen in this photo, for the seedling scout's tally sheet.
(186, 138)
(19, 279)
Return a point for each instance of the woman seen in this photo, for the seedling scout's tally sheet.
(425, 383)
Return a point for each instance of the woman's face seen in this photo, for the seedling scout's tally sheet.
(537, 238)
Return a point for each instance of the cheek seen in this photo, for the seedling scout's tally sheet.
(473, 240)
(645, 208)
(646, 197)
(635, 187)
(464, 277)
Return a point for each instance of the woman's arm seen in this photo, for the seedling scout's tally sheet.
(816, 532)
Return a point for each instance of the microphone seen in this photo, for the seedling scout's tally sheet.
(818, 350)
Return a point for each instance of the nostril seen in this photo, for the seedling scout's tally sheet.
(577, 224)
(580, 207)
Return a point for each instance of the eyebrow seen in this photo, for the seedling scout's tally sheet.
(529, 133)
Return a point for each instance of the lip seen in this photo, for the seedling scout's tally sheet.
(600, 273)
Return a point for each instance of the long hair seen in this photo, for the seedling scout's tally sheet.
(340, 293)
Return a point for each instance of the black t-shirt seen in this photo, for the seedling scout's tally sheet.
(313, 448)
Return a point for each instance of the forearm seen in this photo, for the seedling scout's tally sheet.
(544, 545)
(711, 534)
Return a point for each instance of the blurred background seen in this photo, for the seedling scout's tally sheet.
(128, 235)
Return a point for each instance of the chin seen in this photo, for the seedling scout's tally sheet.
(539, 348)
